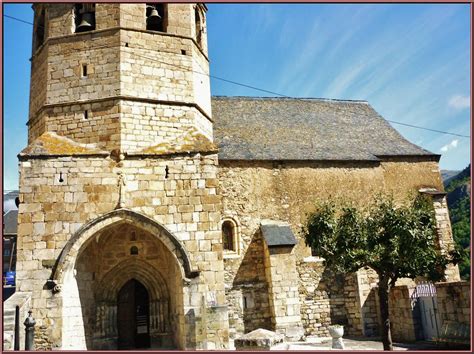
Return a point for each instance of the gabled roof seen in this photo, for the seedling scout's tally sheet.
(249, 128)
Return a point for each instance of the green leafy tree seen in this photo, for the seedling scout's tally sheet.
(396, 242)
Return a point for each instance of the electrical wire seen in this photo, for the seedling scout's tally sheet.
(246, 85)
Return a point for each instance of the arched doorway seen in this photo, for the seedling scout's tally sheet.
(96, 265)
(133, 308)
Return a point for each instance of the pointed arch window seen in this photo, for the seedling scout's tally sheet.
(84, 17)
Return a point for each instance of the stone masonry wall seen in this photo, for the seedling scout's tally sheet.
(143, 65)
(147, 124)
(404, 324)
(186, 203)
(101, 127)
(454, 301)
(287, 191)
(321, 297)
(367, 287)
(282, 279)
(247, 291)
(38, 86)
(445, 235)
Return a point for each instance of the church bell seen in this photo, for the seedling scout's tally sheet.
(86, 24)
(154, 19)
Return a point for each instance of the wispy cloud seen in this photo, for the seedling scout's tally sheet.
(460, 102)
(452, 145)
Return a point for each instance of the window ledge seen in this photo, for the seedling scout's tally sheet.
(232, 255)
(313, 259)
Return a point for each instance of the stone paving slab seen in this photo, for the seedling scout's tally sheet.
(374, 344)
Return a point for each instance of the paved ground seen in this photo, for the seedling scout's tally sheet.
(375, 344)
(354, 344)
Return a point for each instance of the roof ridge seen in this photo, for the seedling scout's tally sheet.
(291, 98)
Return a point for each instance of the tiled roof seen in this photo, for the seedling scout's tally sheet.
(248, 128)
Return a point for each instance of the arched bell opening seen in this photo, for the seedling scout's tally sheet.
(105, 263)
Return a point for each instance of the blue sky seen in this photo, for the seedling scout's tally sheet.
(411, 62)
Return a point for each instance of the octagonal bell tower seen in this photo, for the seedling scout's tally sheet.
(121, 76)
(118, 183)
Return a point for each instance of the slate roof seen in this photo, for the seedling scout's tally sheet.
(10, 224)
(253, 128)
(277, 233)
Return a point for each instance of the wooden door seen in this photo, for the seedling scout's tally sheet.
(132, 316)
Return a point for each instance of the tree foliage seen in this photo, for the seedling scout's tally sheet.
(459, 202)
(395, 241)
(400, 242)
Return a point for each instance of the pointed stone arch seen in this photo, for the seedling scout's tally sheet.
(88, 231)
(110, 284)
(140, 270)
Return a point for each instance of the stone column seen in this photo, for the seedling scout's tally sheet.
(443, 226)
(282, 278)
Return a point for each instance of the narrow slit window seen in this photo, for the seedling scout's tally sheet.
(84, 70)
(86, 114)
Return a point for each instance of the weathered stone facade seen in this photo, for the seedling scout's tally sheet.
(454, 302)
(287, 191)
(122, 183)
(119, 181)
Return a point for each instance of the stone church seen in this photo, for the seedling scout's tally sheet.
(154, 215)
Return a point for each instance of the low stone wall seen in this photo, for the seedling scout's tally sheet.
(454, 302)
(321, 298)
(367, 280)
(402, 320)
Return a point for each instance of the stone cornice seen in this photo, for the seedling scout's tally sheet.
(78, 36)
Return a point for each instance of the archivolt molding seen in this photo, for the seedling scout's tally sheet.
(145, 273)
(86, 233)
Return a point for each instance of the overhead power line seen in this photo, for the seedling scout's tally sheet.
(250, 86)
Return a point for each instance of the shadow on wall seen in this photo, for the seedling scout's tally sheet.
(85, 282)
(371, 314)
(190, 319)
(331, 289)
(337, 310)
(250, 280)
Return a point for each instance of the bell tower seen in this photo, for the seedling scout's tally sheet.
(119, 179)
(121, 76)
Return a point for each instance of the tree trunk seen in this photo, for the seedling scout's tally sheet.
(383, 297)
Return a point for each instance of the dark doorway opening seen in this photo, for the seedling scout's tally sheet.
(133, 316)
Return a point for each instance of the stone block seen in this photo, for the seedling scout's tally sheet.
(259, 339)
